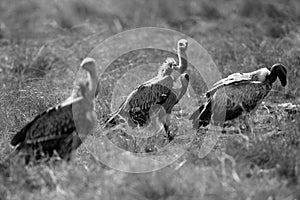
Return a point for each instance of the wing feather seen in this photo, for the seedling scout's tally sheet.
(155, 92)
(55, 123)
(245, 96)
(137, 106)
(235, 78)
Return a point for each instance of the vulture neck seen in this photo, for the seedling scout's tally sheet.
(271, 78)
(184, 87)
(182, 61)
(93, 82)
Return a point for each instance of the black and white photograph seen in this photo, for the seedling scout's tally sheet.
(150, 100)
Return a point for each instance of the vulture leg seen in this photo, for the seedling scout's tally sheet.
(243, 121)
(237, 132)
(251, 126)
(169, 136)
(247, 122)
(265, 107)
(165, 121)
(245, 137)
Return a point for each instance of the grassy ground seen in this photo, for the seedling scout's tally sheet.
(42, 43)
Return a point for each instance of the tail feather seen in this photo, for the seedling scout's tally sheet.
(116, 117)
(201, 117)
(113, 121)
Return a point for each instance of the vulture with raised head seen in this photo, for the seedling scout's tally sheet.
(157, 94)
(62, 128)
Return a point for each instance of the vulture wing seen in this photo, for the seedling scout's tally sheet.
(235, 78)
(54, 124)
(137, 106)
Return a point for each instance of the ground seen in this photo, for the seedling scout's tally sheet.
(42, 44)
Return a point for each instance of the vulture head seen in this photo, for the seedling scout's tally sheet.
(278, 71)
(182, 45)
(89, 64)
(264, 74)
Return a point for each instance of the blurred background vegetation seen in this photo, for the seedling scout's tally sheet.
(42, 43)
(238, 34)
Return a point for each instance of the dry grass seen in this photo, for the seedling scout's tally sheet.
(43, 42)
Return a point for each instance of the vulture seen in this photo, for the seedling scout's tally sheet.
(158, 95)
(237, 94)
(61, 128)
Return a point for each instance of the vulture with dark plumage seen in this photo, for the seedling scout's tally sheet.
(237, 94)
(62, 128)
(156, 95)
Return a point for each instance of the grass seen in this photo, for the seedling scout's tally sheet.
(43, 42)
